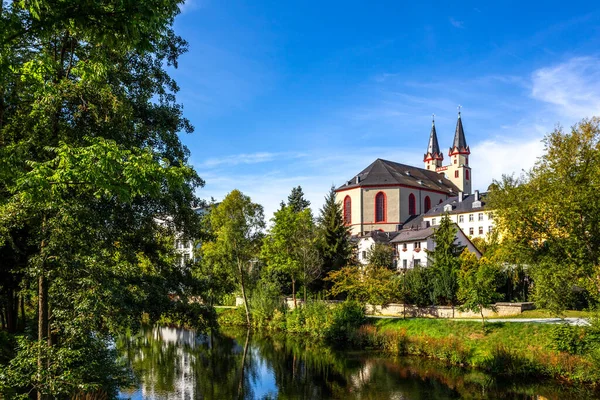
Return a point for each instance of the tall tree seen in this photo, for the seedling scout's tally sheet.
(237, 224)
(290, 247)
(381, 255)
(334, 236)
(297, 201)
(90, 159)
(444, 262)
(549, 217)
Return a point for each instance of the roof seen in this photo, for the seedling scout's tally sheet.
(384, 172)
(433, 148)
(379, 236)
(410, 235)
(460, 143)
(458, 207)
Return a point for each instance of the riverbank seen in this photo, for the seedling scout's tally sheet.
(562, 352)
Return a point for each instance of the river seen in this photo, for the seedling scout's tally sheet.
(174, 363)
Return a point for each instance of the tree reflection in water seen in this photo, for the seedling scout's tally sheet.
(235, 364)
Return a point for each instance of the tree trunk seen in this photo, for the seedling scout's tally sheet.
(305, 294)
(482, 317)
(243, 286)
(241, 383)
(23, 318)
(294, 292)
(42, 325)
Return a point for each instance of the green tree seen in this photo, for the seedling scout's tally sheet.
(373, 285)
(334, 236)
(297, 201)
(381, 255)
(237, 224)
(477, 281)
(549, 217)
(90, 160)
(444, 262)
(290, 247)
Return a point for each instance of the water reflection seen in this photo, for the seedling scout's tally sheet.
(179, 364)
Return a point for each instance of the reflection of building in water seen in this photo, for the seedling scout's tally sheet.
(179, 341)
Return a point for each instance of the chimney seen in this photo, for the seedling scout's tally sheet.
(476, 196)
(460, 197)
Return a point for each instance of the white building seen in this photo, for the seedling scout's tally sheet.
(412, 244)
(365, 242)
(469, 212)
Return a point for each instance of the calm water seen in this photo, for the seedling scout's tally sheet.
(179, 364)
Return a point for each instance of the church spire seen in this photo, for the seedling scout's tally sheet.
(459, 146)
(434, 156)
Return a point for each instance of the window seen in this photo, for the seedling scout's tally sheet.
(364, 255)
(480, 217)
(347, 210)
(467, 162)
(416, 262)
(427, 203)
(433, 221)
(481, 230)
(404, 246)
(456, 174)
(490, 216)
(455, 161)
(186, 258)
(404, 264)
(417, 245)
(490, 229)
(412, 206)
(471, 231)
(380, 207)
(466, 174)
(461, 218)
(471, 219)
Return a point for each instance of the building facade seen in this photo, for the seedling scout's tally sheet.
(386, 194)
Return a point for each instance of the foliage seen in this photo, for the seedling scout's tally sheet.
(334, 236)
(381, 255)
(237, 225)
(371, 284)
(297, 201)
(444, 263)
(264, 302)
(290, 248)
(418, 285)
(94, 181)
(477, 282)
(550, 216)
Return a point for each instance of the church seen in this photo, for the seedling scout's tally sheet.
(386, 195)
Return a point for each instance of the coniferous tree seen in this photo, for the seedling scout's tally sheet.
(334, 236)
(444, 263)
(297, 201)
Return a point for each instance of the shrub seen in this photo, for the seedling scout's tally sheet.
(568, 338)
(347, 317)
(233, 317)
(263, 304)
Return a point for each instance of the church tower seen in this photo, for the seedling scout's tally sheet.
(459, 171)
(434, 157)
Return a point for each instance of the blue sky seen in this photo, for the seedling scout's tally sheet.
(309, 93)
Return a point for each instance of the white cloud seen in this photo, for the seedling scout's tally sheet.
(253, 158)
(493, 158)
(456, 23)
(573, 87)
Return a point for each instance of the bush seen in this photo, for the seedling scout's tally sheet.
(347, 317)
(233, 317)
(263, 304)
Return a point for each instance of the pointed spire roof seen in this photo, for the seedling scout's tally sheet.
(460, 143)
(433, 149)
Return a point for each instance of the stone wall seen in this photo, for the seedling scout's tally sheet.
(399, 310)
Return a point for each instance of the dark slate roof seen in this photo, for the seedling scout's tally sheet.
(433, 148)
(381, 237)
(458, 207)
(383, 172)
(410, 235)
(460, 143)
(413, 222)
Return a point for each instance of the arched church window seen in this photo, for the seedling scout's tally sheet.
(412, 205)
(380, 207)
(347, 210)
(467, 174)
(456, 174)
(427, 203)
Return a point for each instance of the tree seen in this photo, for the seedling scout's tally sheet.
(373, 285)
(334, 236)
(238, 225)
(89, 160)
(297, 201)
(444, 262)
(381, 255)
(290, 247)
(549, 217)
(477, 284)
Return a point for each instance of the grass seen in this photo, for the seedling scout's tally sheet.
(549, 314)
(504, 348)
